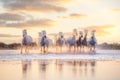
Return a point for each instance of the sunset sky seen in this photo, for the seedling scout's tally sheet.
(59, 15)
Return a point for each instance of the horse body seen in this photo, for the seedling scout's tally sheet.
(60, 42)
(79, 43)
(71, 41)
(44, 41)
(44, 44)
(92, 43)
(26, 42)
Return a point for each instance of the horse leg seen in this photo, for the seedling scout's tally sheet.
(74, 49)
(40, 48)
(77, 48)
(25, 49)
(83, 48)
(47, 49)
(69, 48)
(94, 48)
(21, 49)
(29, 48)
(61, 48)
(44, 49)
(56, 47)
(90, 48)
(80, 48)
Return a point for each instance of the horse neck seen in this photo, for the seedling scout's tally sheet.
(81, 36)
(85, 36)
(24, 35)
(93, 37)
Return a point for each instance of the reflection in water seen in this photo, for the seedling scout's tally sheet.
(42, 67)
(61, 69)
(78, 67)
(73, 67)
(74, 63)
(83, 66)
(59, 65)
(26, 67)
(93, 64)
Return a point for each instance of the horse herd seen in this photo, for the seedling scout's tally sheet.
(77, 42)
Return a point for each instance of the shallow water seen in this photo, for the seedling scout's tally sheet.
(59, 69)
(99, 55)
(104, 65)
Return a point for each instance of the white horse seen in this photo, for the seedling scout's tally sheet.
(71, 41)
(60, 41)
(44, 41)
(92, 42)
(26, 42)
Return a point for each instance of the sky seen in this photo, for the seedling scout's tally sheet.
(59, 15)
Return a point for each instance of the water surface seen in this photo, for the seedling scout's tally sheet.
(59, 69)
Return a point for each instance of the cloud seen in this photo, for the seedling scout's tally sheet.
(33, 23)
(16, 20)
(8, 35)
(73, 16)
(11, 17)
(116, 9)
(100, 30)
(33, 5)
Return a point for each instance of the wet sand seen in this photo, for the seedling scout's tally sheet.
(58, 69)
(104, 65)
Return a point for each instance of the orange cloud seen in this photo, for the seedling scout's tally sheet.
(100, 30)
(60, 1)
(11, 17)
(33, 5)
(33, 23)
(116, 9)
(41, 23)
(8, 35)
(73, 16)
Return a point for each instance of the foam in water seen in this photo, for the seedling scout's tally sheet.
(99, 55)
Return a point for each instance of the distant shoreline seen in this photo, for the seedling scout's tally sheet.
(15, 46)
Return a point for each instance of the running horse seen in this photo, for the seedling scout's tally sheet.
(84, 41)
(92, 41)
(71, 41)
(60, 41)
(79, 41)
(44, 41)
(26, 42)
